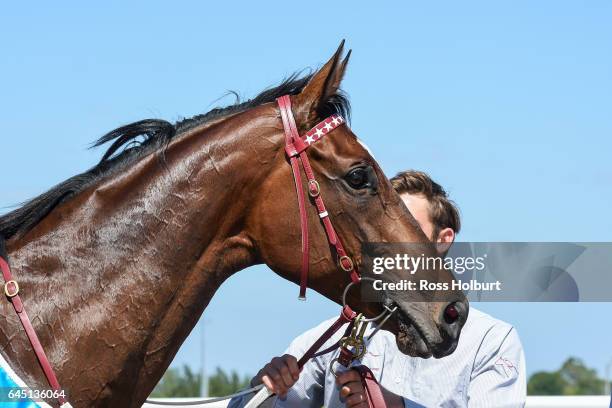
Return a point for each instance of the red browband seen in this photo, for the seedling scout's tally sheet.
(295, 147)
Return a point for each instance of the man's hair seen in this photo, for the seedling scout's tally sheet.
(442, 211)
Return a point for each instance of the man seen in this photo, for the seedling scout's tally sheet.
(486, 370)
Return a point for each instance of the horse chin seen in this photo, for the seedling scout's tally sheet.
(409, 339)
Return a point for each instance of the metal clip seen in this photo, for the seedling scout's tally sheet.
(355, 340)
(354, 344)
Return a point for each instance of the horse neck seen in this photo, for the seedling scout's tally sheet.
(120, 273)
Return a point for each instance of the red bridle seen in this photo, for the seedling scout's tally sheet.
(295, 147)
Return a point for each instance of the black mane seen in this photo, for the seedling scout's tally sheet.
(132, 142)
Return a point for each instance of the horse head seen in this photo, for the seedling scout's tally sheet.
(363, 207)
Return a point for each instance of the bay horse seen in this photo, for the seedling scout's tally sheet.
(117, 264)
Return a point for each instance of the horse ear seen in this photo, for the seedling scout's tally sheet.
(323, 84)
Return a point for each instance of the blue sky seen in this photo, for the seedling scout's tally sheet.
(507, 104)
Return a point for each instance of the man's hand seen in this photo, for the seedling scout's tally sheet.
(278, 375)
(351, 389)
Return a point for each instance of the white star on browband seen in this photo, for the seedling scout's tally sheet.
(322, 129)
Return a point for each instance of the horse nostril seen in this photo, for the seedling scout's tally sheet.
(451, 314)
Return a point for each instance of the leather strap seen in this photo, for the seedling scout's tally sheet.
(295, 147)
(291, 134)
(11, 290)
(347, 315)
(373, 393)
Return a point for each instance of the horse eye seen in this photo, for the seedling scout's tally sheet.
(358, 178)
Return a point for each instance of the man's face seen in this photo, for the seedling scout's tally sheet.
(418, 206)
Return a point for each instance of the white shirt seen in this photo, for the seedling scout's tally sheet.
(486, 370)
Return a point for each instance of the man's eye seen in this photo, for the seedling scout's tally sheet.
(358, 178)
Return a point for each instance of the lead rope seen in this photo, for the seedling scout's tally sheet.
(346, 316)
(207, 400)
(353, 337)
